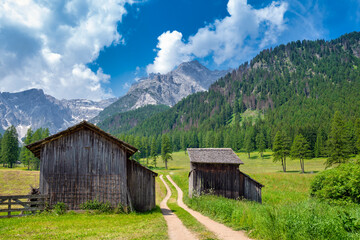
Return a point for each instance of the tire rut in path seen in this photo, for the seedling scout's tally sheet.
(220, 230)
(176, 229)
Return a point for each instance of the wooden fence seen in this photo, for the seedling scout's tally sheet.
(25, 204)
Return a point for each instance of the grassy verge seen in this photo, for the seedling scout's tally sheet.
(150, 225)
(304, 220)
(286, 212)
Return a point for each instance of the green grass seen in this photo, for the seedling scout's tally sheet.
(287, 211)
(149, 225)
(17, 181)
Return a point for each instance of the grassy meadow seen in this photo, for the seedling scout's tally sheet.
(287, 212)
(17, 181)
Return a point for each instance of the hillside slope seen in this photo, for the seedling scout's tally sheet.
(123, 122)
(297, 85)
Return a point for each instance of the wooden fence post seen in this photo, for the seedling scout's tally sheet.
(9, 207)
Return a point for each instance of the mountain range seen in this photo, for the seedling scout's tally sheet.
(33, 108)
(166, 89)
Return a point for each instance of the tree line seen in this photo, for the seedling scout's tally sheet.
(338, 143)
(12, 152)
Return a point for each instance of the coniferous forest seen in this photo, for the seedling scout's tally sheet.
(294, 89)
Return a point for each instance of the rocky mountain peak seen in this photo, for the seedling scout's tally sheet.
(166, 89)
(33, 108)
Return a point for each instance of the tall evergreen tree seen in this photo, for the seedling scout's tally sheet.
(26, 157)
(350, 136)
(10, 146)
(183, 142)
(227, 139)
(165, 149)
(338, 142)
(300, 149)
(357, 134)
(153, 151)
(39, 134)
(260, 142)
(319, 144)
(281, 148)
(250, 140)
(137, 144)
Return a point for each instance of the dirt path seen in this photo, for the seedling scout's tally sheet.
(176, 229)
(220, 230)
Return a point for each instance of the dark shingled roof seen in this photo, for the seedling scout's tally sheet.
(213, 155)
(36, 146)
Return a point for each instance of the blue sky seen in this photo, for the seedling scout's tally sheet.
(97, 49)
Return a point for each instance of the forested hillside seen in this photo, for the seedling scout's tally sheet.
(297, 86)
(125, 121)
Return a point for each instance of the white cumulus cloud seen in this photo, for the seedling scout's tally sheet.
(47, 44)
(231, 39)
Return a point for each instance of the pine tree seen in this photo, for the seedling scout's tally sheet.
(338, 142)
(250, 141)
(10, 146)
(281, 148)
(319, 144)
(39, 134)
(153, 151)
(183, 142)
(300, 149)
(350, 136)
(260, 142)
(165, 149)
(26, 157)
(357, 134)
(227, 139)
(218, 142)
(137, 144)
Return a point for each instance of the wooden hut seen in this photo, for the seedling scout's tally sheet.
(85, 163)
(216, 170)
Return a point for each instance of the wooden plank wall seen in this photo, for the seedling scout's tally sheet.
(222, 180)
(251, 189)
(219, 179)
(141, 184)
(83, 166)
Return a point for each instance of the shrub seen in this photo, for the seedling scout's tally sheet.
(96, 205)
(338, 185)
(121, 209)
(60, 208)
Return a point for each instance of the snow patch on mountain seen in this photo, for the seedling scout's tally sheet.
(33, 108)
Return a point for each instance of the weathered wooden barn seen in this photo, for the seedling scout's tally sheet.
(85, 163)
(216, 170)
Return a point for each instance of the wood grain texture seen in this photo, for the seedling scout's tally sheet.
(223, 180)
(84, 165)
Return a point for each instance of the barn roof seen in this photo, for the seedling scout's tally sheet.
(213, 155)
(36, 146)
